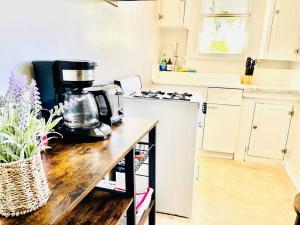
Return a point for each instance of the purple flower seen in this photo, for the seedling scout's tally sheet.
(35, 96)
(22, 97)
(17, 87)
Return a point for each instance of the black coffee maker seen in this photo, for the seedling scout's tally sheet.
(60, 81)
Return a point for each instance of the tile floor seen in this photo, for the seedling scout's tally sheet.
(237, 193)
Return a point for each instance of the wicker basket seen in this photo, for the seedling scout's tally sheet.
(23, 186)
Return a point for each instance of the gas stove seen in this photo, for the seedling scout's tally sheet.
(179, 114)
(149, 94)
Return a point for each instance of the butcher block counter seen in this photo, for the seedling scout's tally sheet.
(73, 171)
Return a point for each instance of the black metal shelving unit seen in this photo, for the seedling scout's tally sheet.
(130, 166)
(142, 151)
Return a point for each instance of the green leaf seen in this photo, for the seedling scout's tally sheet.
(53, 124)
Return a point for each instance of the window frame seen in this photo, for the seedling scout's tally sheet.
(227, 56)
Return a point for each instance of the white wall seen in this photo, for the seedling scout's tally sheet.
(169, 37)
(122, 40)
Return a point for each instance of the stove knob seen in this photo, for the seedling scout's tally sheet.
(204, 108)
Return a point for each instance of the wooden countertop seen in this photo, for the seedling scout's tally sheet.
(73, 170)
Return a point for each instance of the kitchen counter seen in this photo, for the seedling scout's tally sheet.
(218, 81)
(270, 89)
(73, 170)
(197, 80)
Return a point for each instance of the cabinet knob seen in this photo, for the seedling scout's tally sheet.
(277, 11)
(284, 151)
(297, 51)
(160, 16)
(254, 127)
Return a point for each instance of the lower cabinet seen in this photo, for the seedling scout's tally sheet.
(270, 130)
(221, 128)
(256, 127)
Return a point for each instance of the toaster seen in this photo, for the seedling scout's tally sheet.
(113, 95)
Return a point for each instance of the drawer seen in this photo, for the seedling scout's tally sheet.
(224, 96)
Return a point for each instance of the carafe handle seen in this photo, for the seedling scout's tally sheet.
(103, 118)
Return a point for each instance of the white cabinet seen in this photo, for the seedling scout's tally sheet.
(280, 39)
(270, 129)
(224, 96)
(221, 128)
(222, 120)
(172, 13)
(297, 50)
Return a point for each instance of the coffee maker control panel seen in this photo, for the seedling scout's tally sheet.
(78, 75)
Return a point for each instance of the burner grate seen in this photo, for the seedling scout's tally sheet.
(176, 96)
(163, 95)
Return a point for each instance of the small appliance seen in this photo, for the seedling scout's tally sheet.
(60, 81)
(113, 93)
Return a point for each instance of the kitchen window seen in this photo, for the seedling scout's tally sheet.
(224, 27)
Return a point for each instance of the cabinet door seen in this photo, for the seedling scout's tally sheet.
(221, 128)
(298, 43)
(269, 132)
(172, 13)
(283, 33)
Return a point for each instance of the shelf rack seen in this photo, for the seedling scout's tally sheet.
(99, 207)
(108, 207)
(141, 150)
(73, 171)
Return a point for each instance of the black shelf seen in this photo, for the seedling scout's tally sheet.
(130, 165)
(148, 149)
(141, 151)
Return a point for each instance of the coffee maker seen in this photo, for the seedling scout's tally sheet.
(60, 81)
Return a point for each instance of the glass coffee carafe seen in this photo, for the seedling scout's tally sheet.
(83, 112)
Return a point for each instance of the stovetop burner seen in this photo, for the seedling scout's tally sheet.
(146, 96)
(149, 94)
(176, 96)
(163, 95)
(153, 93)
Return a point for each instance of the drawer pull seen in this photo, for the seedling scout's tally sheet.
(254, 127)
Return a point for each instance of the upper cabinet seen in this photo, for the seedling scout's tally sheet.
(280, 33)
(173, 13)
(283, 34)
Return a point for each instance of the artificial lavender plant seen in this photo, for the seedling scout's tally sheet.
(22, 130)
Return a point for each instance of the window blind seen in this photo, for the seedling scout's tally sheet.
(225, 6)
(223, 26)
